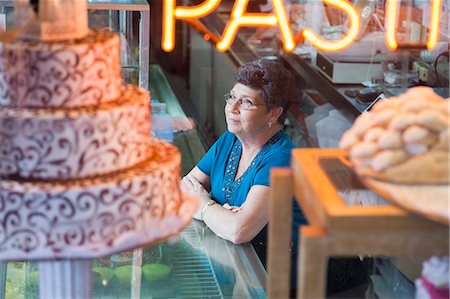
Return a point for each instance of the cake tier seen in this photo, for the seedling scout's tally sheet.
(75, 143)
(76, 73)
(56, 20)
(94, 217)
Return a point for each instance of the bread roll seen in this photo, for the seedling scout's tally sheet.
(403, 140)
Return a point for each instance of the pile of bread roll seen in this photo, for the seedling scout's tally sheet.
(403, 139)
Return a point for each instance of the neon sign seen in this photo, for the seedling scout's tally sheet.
(240, 18)
(171, 13)
(347, 40)
(391, 17)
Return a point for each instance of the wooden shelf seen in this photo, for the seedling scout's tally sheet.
(345, 219)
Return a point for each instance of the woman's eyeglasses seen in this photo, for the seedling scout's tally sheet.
(244, 103)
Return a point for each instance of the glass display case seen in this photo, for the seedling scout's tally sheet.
(129, 18)
(197, 264)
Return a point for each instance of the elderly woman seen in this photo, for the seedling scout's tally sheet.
(232, 179)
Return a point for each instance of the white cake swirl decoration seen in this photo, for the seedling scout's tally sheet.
(60, 74)
(67, 144)
(93, 217)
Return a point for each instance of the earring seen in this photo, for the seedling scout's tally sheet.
(270, 124)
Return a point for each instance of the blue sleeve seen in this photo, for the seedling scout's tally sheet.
(207, 162)
(262, 176)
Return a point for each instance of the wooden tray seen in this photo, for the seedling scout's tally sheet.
(430, 201)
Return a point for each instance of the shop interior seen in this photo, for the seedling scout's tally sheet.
(334, 89)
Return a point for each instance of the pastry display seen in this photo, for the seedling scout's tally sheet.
(80, 174)
(403, 139)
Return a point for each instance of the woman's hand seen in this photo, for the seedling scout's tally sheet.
(193, 187)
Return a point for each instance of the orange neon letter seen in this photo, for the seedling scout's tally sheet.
(172, 12)
(391, 24)
(238, 19)
(316, 41)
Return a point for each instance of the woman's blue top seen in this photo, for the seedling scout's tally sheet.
(221, 163)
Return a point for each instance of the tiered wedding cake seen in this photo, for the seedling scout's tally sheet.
(80, 175)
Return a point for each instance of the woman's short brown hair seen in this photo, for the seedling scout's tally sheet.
(275, 83)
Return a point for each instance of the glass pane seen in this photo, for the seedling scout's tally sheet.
(348, 185)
